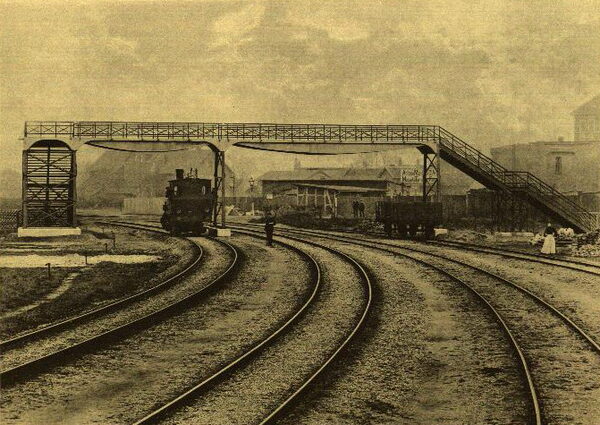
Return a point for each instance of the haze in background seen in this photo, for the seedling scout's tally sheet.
(492, 72)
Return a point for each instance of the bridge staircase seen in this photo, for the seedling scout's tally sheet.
(521, 184)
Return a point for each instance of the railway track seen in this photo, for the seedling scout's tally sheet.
(570, 322)
(581, 266)
(487, 297)
(15, 374)
(272, 339)
(52, 328)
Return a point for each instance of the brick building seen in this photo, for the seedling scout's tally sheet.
(587, 121)
(572, 167)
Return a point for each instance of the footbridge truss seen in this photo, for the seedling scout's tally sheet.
(433, 141)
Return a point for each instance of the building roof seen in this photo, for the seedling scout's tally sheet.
(323, 174)
(548, 143)
(338, 188)
(590, 107)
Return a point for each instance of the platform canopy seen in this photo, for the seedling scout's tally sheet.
(342, 188)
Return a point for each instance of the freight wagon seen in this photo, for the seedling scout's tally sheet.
(407, 218)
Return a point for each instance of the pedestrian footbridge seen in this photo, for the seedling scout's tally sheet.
(49, 167)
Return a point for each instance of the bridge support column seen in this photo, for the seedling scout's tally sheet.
(49, 194)
(431, 176)
(219, 201)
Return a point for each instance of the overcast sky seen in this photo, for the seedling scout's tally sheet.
(493, 72)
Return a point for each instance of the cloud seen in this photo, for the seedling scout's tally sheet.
(234, 25)
(493, 72)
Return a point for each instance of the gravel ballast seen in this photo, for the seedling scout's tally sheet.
(563, 366)
(574, 293)
(434, 355)
(251, 393)
(209, 268)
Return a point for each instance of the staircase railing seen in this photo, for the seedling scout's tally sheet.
(550, 195)
(518, 180)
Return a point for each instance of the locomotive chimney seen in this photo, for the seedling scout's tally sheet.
(179, 173)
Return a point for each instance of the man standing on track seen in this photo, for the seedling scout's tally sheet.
(269, 227)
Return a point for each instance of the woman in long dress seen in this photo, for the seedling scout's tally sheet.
(549, 246)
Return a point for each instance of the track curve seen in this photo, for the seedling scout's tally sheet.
(13, 375)
(72, 321)
(534, 399)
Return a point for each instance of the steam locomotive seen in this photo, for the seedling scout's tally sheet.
(188, 204)
(406, 218)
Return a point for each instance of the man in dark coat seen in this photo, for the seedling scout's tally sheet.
(361, 209)
(269, 228)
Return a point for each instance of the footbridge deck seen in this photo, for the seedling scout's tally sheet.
(319, 139)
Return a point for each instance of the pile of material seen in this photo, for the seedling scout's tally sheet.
(588, 244)
(537, 239)
(564, 237)
(565, 232)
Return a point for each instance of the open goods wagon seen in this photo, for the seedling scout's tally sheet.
(407, 218)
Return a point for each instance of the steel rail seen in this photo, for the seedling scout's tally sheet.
(9, 344)
(576, 328)
(516, 347)
(506, 253)
(511, 253)
(238, 362)
(11, 376)
(368, 286)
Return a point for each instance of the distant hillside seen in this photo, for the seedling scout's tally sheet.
(117, 175)
(10, 184)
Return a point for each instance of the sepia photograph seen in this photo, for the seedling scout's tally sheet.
(299, 212)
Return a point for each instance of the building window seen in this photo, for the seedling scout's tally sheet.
(558, 165)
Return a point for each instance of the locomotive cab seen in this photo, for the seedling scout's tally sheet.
(188, 204)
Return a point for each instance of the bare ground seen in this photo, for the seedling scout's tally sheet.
(98, 284)
(252, 392)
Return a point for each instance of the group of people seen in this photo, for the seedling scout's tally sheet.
(358, 209)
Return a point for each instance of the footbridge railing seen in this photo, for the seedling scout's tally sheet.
(182, 131)
(519, 182)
